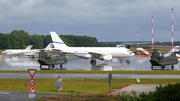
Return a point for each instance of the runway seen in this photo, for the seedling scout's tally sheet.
(18, 96)
(93, 76)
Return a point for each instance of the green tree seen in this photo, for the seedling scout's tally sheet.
(46, 40)
(37, 41)
(25, 36)
(4, 41)
(16, 41)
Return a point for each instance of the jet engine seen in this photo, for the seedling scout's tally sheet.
(106, 57)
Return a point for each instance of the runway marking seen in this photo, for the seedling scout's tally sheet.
(121, 89)
(4, 92)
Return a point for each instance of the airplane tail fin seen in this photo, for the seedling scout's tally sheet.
(128, 46)
(49, 46)
(29, 47)
(58, 43)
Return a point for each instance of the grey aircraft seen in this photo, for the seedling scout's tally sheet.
(51, 60)
(160, 60)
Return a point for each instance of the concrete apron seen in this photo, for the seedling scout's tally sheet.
(139, 88)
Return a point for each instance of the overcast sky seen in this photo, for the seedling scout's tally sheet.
(107, 20)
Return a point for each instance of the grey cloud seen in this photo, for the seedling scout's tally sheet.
(117, 18)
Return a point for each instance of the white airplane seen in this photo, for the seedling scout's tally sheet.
(27, 51)
(93, 53)
(35, 52)
(17, 51)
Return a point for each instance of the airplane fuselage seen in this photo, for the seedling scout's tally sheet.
(116, 52)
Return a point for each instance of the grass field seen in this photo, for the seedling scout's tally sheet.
(77, 86)
(1, 51)
(160, 48)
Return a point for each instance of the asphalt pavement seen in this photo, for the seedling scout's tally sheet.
(19, 96)
(94, 76)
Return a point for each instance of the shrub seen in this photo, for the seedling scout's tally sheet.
(168, 92)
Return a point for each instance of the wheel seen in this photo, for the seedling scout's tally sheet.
(93, 62)
(152, 67)
(61, 66)
(172, 67)
(49, 66)
(162, 67)
(41, 67)
(52, 66)
(120, 60)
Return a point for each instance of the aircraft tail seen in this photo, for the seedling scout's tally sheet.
(143, 50)
(58, 43)
(29, 47)
(49, 46)
(128, 46)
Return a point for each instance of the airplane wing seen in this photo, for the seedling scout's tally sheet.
(80, 56)
(95, 55)
(56, 50)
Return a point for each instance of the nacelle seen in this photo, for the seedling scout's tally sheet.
(106, 57)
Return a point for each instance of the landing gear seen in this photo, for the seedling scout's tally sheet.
(93, 62)
(128, 62)
(61, 66)
(49, 66)
(162, 67)
(172, 67)
(120, 60)
(152, 67)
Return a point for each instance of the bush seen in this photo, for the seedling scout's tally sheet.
(88, 97)
(168, 92)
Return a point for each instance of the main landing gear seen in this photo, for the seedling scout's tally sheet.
(120, 60)
(93, 62)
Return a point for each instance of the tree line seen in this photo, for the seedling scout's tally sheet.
(21, 39)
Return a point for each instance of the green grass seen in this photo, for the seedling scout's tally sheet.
(82, 86)
(160, 48)
(168, 72)
(1, 51)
